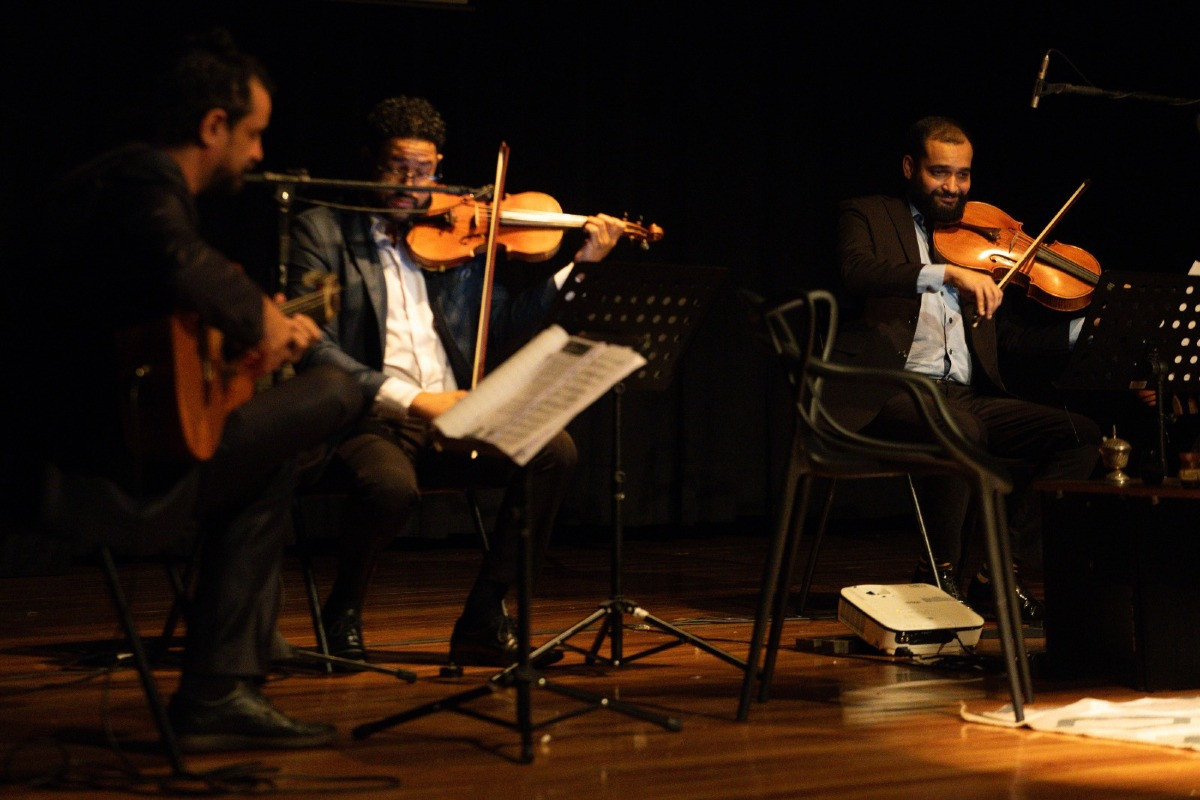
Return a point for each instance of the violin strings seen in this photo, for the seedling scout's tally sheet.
(1023, 240)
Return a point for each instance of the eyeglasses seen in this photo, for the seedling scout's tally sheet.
(401, 172)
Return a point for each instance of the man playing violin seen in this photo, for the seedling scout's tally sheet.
(408, 335)
(920, 314)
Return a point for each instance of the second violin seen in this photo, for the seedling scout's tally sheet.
(1059, 276)
(531, 228)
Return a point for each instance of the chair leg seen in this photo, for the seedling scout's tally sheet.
(314, 606)
(811, 567)
(149, 686)
(770, 577)
(782, 586)
(181, 592)
(1014, 611)
(477, 519)
(1008, 618)
(912, 490)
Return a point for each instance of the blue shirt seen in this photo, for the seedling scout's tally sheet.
(939, 347)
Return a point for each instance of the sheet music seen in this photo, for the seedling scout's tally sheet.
(532, 396)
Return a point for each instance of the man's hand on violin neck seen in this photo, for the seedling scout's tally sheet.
(979, 286)
(603, 232)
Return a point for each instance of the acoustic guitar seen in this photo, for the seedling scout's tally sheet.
(179, 384)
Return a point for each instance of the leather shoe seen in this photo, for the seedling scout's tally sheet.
(982, 598)
(491, 644)
(242, 720)
(343, 634)
(946, 574)
(281, 649)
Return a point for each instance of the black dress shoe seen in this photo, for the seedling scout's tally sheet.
(343, 634)
(946, 575)
(242, 720)
(281, 649)
(491, 644)
(982, 597)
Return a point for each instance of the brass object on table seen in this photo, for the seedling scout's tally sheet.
(1114, 452)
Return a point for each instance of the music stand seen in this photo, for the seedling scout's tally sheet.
(1142, 329)
(522, 675)
(653, 309)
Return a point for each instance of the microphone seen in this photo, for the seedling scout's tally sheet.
(1041, 80)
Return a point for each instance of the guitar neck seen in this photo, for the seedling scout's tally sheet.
(319, 304)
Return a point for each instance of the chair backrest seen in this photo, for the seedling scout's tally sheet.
(92, 510)
(803, 330)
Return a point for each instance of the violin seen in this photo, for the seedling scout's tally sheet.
(1059, 276)
(531, 227)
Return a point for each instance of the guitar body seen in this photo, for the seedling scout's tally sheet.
(207, 388)
(178, 389)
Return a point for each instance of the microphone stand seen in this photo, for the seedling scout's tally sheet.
(292, 179)
(285, 185)
(1092, 91)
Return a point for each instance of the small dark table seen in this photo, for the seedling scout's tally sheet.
(1122, 582)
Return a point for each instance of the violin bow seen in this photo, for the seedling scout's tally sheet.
(1036, 244)
(1031, 251)
(489, 268)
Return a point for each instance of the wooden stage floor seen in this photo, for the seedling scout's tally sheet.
(836, 726)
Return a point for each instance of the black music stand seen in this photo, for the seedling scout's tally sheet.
(1142, 331)
(522, 676)
(653, 309)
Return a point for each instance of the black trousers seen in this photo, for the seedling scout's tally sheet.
(1050, 443)
(244, 513)
(384, 466)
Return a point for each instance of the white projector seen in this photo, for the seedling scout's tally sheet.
(909, 618)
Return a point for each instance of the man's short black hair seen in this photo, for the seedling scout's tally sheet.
(405, 118)
(938, 129)
(206, 72)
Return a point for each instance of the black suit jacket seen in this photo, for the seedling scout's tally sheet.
(119, 246)
(879, 260)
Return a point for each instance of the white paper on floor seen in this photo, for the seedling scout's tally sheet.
(1166, 721)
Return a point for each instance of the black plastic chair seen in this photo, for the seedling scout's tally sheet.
(96, 517)
(802, 332)
(753, 306)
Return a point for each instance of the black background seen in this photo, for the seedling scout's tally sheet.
(736, 127)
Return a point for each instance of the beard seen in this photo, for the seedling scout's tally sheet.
(226, 182)
(937, 212)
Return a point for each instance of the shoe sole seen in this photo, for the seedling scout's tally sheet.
(221, 742)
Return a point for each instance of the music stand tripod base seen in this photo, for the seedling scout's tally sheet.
(521, 676)
(653, 309)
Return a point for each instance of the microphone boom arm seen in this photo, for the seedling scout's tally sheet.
(1092, 91)
(302, 178)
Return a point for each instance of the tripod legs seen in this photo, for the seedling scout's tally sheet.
(524, 681)
(613, 612)
(521, 677)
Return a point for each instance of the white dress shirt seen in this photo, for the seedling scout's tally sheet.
(414, 358)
